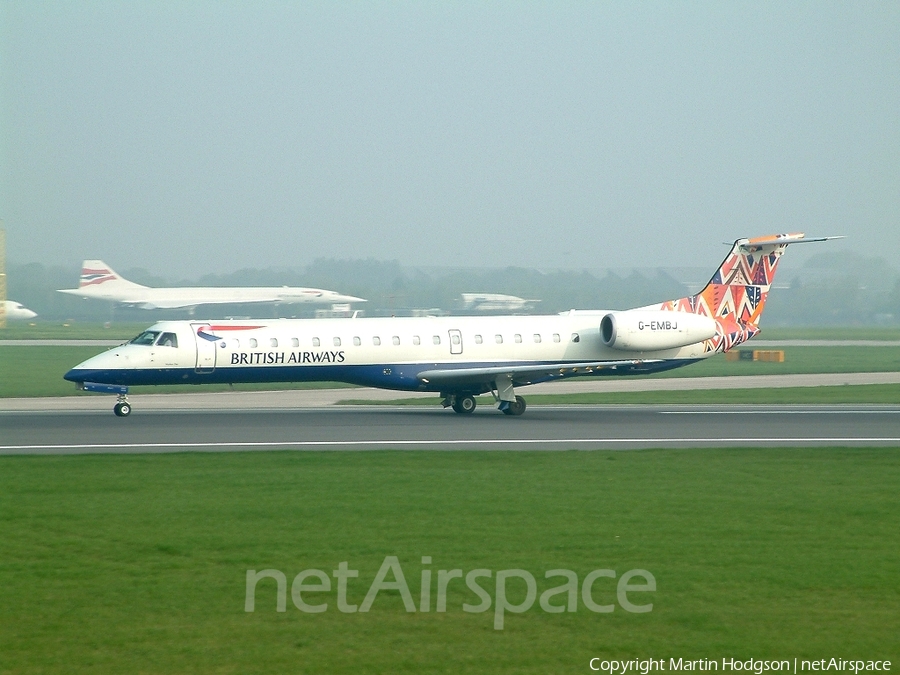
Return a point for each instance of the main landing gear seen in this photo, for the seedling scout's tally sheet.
(503, 391)
(510, 404)
(516, 407)
(461, 403)
(464, 404)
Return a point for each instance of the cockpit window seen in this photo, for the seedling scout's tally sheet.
(148, 337)
(168, 340)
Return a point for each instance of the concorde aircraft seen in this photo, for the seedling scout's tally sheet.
(458, 357)
(100, 282)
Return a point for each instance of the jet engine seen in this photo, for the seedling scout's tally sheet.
(647, 330)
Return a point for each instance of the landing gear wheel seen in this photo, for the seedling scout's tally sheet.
(516, 407)
(464, 404)
(122, 409)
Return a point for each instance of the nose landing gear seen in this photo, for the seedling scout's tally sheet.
(122, 408)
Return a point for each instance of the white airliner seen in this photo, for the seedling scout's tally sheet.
(457, 357)
(15, 311)
(496, 302)
(100, 282)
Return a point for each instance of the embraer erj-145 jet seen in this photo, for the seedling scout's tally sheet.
(100, 282)
(457, 357)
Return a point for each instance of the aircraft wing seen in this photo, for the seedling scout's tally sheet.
(187, 303)
(528, 373)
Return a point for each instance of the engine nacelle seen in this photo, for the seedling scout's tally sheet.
(645, 330)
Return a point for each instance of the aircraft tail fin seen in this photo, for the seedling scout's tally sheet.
(95, 273)
(736, 295)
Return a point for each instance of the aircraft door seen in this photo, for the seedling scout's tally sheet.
(455, 341)
(206, 347)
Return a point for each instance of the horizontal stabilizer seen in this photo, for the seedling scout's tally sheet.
(780, 240)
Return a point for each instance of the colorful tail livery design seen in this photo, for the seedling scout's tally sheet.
(457, 357)
(737, 293)
(96, 272)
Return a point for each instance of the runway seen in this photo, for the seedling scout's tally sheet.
(318, 398)
(548, 428)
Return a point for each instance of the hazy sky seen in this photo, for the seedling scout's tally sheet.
(206, 137)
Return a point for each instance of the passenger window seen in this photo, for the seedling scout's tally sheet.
(376, 340)
(337, 342)
(537, 338)
(395, 340)
(416, 340)
(478, 340)
(253, 343)
(357, 341)
(454, 339)
(295, 342)
(316, 342)
(168, 340)
(436, 339)
(273, 342)
(518, 338)
(498, 339)
(556, 337)
(576, 337)
(235, 343)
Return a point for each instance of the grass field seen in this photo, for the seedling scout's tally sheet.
(138, 563)
(45, 330)
(38, 371)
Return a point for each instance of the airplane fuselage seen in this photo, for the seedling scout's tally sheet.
(390, 353)
(16, 311)
(173, 298)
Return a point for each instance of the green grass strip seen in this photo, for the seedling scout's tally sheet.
(138, 563)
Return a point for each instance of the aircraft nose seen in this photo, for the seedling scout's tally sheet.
(83, 370)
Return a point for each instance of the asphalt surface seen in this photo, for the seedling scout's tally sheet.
(421, 428)
(316, 398)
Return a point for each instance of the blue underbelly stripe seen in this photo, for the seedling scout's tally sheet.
(402, 377)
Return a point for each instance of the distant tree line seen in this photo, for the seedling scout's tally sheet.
(830, 290)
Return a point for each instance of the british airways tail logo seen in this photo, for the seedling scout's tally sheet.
(91, 277)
